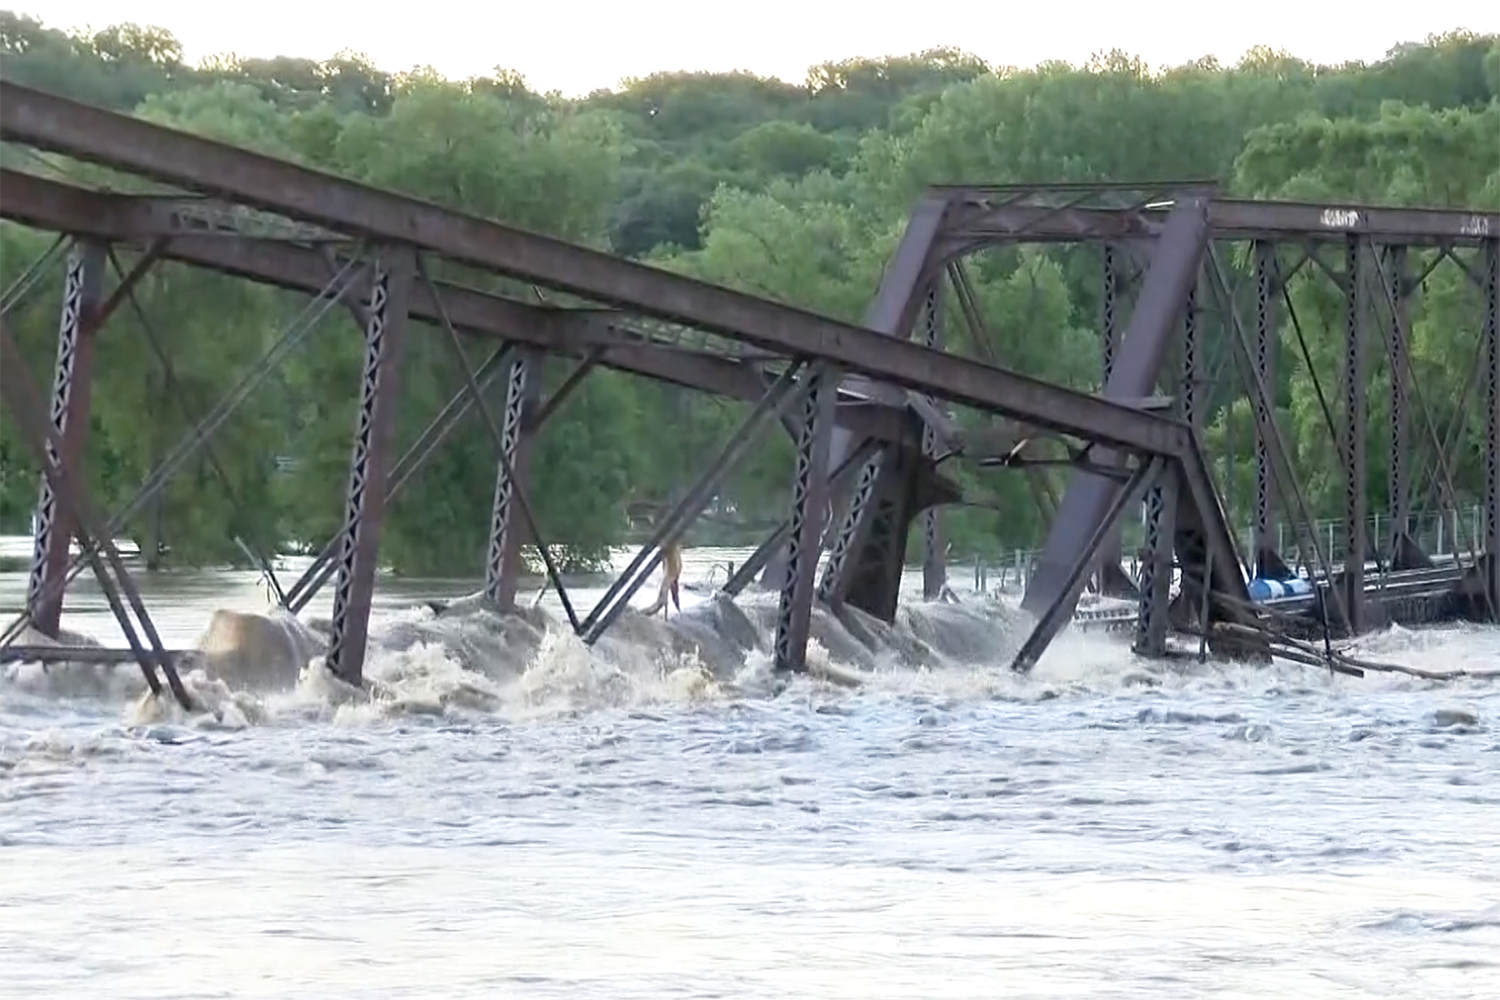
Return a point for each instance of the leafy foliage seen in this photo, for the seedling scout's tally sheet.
(796, 192)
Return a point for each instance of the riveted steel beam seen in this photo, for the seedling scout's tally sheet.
(1262, 546)
(1229, 219)
(1352, 436)
(1172, 272)
(570, 332)
(809, 502)
(69, 417)
(390, 286)
(1156, 566)
(260, 181)
(1492, 424)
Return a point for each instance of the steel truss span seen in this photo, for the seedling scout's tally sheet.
(870, 408)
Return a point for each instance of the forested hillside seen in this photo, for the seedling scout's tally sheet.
(796, 192)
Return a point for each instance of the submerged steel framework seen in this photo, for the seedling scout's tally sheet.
(1193, 280)
(870, 408)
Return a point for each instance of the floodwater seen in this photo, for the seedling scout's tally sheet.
(637, 821)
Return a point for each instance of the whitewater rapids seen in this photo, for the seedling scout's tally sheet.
(503, 811)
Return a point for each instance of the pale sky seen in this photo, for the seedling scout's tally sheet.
(579, 45)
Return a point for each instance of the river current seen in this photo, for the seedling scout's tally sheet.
(519, 816)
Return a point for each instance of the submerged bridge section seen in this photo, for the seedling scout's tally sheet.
(1195, 308)
(870, 408)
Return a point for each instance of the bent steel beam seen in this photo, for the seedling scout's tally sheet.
(571, 332)
(64, 126)
(1052, 617)
(905, 284)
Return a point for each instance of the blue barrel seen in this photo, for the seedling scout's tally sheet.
(1262, 589)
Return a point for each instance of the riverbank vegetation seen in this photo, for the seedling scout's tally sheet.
(797, 192)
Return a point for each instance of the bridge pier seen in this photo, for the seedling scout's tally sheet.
(72, 390)
(358, 545)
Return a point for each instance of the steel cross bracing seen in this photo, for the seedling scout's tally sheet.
(237, 175)
(289, 226)
(957, 221)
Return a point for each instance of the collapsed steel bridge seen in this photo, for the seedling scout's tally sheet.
(868, 407)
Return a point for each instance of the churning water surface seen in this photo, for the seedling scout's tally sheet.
(640, 821)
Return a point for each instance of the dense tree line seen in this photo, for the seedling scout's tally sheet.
(795, 192)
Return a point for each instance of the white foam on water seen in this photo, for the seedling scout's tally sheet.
(468, 660)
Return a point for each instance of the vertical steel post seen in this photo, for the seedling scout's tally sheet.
(852, 529)
(71, 391)
(1156, 566)
(1264, 402)
(934, 560)
(1492, 423)
(1108, 334)
(1354, 434)
(1399, 332)
(1191, 411)
(390, 292)
(1109, 337)
(809, 502)
(503, 565)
